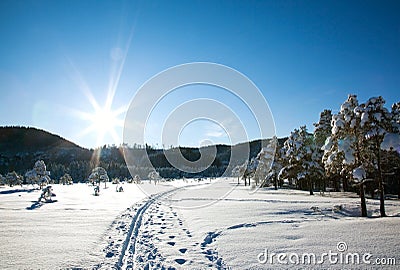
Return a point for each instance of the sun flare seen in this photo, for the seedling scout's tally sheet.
(105, 121)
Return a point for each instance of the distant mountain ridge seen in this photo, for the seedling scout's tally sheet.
(22, 139)
(20, 147)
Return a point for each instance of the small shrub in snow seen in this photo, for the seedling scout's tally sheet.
(13, 179)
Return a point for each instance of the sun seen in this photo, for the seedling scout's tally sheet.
(105, 121)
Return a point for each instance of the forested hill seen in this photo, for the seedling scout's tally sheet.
(20, 147)
(14, 140)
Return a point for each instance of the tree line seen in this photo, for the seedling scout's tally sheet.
(357, 149)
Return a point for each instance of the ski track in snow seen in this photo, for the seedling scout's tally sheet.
(151, 235)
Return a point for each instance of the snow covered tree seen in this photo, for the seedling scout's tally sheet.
(343, 149)
(277, 165)
(38, 175)
(301, 154)
(323, 128)
(265, 160)
(2, 180)
(155, 176)
(137, 179)
(13, 179)
(359, 132)
(376, 124)
(236, 172)
(321, 133)
(391, 140)
(98, 175)
(391, 144)
(249, 169)
(344, 142)
(244, 171)
(66, 179)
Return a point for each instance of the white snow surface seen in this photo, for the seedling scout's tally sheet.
(60, 234)
(184, 227)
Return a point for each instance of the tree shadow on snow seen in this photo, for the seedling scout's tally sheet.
(11, 191)
(34, 205)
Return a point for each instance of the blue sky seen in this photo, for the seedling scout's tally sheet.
(57, 57)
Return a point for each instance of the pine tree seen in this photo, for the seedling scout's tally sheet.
(39, 174)
(153, 175)
(277, 166)
(301, 154)
(343, 149)
(2, 179)
(98, 175)
(236, 172)
(321, 133)
(375, 122)
(265, 160)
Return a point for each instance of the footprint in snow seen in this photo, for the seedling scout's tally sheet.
(110, 254)
(180, 261)
(171, 243)
(183, 250)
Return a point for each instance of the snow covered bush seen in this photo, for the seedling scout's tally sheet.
(66, 179)
(137, 179)
(115, 181)
(13, 179)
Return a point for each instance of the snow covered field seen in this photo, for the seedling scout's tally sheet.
(128, 231)
(61, 234)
